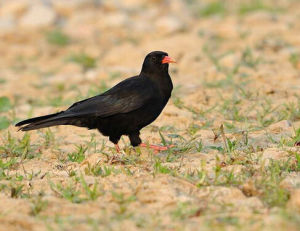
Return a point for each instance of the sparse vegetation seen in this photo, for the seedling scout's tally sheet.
(57, 37)
(82, 59)
(4, 122)
(232, 124)
(79, 155)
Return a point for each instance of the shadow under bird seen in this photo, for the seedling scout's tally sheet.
(122, 110)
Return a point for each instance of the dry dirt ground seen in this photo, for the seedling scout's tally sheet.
(234, 116)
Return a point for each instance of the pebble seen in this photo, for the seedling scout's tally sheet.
(273, 154)
(7, 24)
(14, 8)
(169, 24)
(281, 126)
(115, 20)
(38, 16)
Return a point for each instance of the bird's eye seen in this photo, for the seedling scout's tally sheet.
(153, 58)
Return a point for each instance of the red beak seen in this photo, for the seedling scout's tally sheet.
(168, 59)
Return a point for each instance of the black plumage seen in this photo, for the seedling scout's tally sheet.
(124, 109)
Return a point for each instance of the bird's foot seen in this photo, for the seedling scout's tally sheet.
(113, 159)
(156, 148)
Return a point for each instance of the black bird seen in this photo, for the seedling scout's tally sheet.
(122, 110)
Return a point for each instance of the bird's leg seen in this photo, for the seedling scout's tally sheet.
(117, 148)
(115, 140)
(114, 157)
(135, 140)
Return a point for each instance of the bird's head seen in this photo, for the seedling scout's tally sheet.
(156, 62)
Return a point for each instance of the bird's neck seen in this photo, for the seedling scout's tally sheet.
(162, 80)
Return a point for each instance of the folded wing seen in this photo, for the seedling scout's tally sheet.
(125, 97)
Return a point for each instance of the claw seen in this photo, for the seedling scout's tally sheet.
(156, 148)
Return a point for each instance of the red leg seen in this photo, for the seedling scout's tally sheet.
(117, 148)
(156, 148)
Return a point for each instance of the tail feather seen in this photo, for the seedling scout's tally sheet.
(43, 121)
(43, 124)
(37, 119)
(60, 118)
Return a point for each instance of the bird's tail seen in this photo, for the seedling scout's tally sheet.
(42, 122)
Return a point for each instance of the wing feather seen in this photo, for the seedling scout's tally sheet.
(129, 95)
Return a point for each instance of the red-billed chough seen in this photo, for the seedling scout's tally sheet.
(122, 110)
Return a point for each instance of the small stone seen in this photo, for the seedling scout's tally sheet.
(229, 60)
(279, 127)
(249, 189)
(7, 24)
(133, 4)
(236, 169)
(67, 8)
(141, 26)
(38, 16)
(253, 203)
(291, 182)
(114, 20)
(273, 154)
(109, 6)
(223, 194)
(169, 25)
(14, 8)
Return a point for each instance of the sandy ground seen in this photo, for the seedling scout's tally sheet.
(233, 116)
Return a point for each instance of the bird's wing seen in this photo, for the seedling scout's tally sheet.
(126, 96)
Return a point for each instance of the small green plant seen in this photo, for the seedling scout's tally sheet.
(4, 122)
(213, 8)
(292, 110)
(84, 60)
(297, 162)
(98, 170)
(57, 37)
(256, 5)
(296, 138)
(49, 138)
(5, 104)
(69, 192)
(193, 129)
(8, 164)
(92, 193)
(79, 155)
(295, 60)
(18, 147)
(269, 184)
(16, 190)
(184, 210)
(159, 168)
(231, 145)
(199, 145)
(178, 102)
(123, 201)
(229, 220)
(38, 205)
(248, 58)
(74, 193)
(2, 81)
(199, 177)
